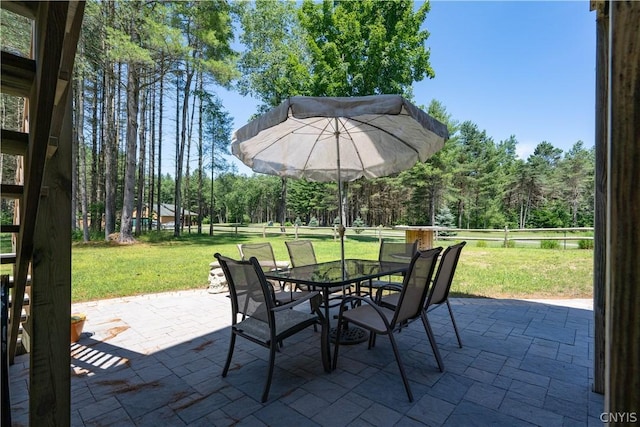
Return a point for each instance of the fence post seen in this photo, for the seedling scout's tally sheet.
(506, 236)
(380, 234)
(296, 232)
(264, 231)
(565, 239)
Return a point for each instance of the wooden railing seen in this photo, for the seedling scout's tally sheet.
(505, 235)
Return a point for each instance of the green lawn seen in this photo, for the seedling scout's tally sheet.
(160, 263)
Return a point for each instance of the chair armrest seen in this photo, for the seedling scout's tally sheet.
(387, 287)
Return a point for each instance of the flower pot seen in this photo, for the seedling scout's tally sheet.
(77, 323)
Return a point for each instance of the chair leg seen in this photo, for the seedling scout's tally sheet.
(432, 340)
(455, 327)
(401, 367)
(372, 340)
(272, 358)
(232, 344)
(336, 345)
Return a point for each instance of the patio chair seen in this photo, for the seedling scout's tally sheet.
(385, 321)
(301, 253)
(393, 252)
(263, 252)
(438, 295)
(256, 317)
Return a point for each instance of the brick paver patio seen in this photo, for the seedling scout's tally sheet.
(157, 360)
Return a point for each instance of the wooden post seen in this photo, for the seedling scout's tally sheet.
(600, 216)
(5, 409)
(622, 378)
(50, 320)
(506, 236)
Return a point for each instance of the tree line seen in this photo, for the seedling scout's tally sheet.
(145, 90)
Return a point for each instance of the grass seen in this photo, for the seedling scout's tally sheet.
(160, 263)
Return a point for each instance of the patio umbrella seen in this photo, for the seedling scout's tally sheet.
(339, 139)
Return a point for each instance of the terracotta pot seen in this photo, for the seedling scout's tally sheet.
(77, 323)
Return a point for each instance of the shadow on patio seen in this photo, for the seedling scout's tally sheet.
(158, 359)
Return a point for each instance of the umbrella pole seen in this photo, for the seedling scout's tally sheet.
(341, 227)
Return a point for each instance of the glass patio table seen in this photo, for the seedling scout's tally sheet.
(326, 276)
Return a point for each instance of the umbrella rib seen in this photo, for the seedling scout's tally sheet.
(275, 141)
(387, 132)
(322, 131)
(297, 131)
(355, 147)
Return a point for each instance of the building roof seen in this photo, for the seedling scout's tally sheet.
(167, 209)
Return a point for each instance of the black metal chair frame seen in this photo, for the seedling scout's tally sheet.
(438, 295)
(381, 320)
(263, 252)
(386, 254)
(257, 318)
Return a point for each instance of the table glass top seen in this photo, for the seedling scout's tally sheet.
(331, 273)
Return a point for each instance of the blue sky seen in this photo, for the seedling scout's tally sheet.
(512, 67)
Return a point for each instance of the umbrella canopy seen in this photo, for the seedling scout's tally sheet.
(339, 138)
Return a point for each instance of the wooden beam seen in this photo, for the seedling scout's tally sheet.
(622, 389)
(73, 27)
(9, 228)
(49, 35)
(8, 258)
(28, 9)
(11, 191)
(5, 411)
(599, 6)
(52, 147)
(18, 74)
(600, 216)
(15, 143)
(50, 301)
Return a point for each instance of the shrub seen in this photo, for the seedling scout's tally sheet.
(313, 221)
(77, 235)
(358, 223)
(585, 244)
(549, 244)
(510, 244)
(481, 244)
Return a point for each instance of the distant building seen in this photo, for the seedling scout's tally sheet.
(167, 216)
